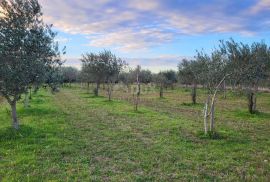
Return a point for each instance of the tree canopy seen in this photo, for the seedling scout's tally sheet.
(27, 49)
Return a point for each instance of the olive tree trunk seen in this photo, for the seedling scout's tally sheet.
(110, 90)
(26, 100)
(30, 93)
(212, 117)
(212, 107)
(194, 93)
(224, 90)
(15, 122)
(252, 102)
(88, 87)
(97, 89)
(138, 92)
(161, 91)
(206, 115)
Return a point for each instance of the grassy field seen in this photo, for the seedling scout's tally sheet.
(74, 136)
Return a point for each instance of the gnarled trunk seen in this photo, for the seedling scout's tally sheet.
(251, 102)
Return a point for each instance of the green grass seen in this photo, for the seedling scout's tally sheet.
(74, 136)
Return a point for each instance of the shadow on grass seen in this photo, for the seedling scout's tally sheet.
(39, 95)
(227, 138)
(36, 111)
(192, 105)
(162, 98)
(10, 133)
(132, 113)
(111, 102)
(38, 101)
(138, 112)
(91, 96)
(256, 115)
(212, 135)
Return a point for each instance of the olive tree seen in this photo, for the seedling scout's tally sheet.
(69, 75)
(103, 68)
(94, 66)
(86, 76)
(190, 73)
(53, 78)
(164, 79)
(145, 76)
(126, 78)
(160, 82)
(213, 73)
(113, 67)
(137, 94)
(171, 78)
(249, 65)
(27, 49)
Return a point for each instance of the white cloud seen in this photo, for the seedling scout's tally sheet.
(148, 5)
(73, 62)
(128, 40)
(260, 6)
(62, 39)
(137, 24)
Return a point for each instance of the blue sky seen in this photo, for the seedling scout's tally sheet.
(156, 34)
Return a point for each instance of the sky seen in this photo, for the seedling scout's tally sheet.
(156, 34)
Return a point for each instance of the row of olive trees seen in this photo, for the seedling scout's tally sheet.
(69, 75)
(241, 64)
(106, 68)
(29, 56)
(162, 80)
(100, 68)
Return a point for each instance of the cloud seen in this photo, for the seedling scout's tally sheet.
(260, 6)
(62, 39)
(73, 62)
(128, 39)
(139, 25)
(148, 5)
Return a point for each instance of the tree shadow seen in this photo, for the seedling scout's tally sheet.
(216, 135)
(36, 111)
(262, 115)
(90, 96)
(9, 133)
(192, 105)
(256, 115)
